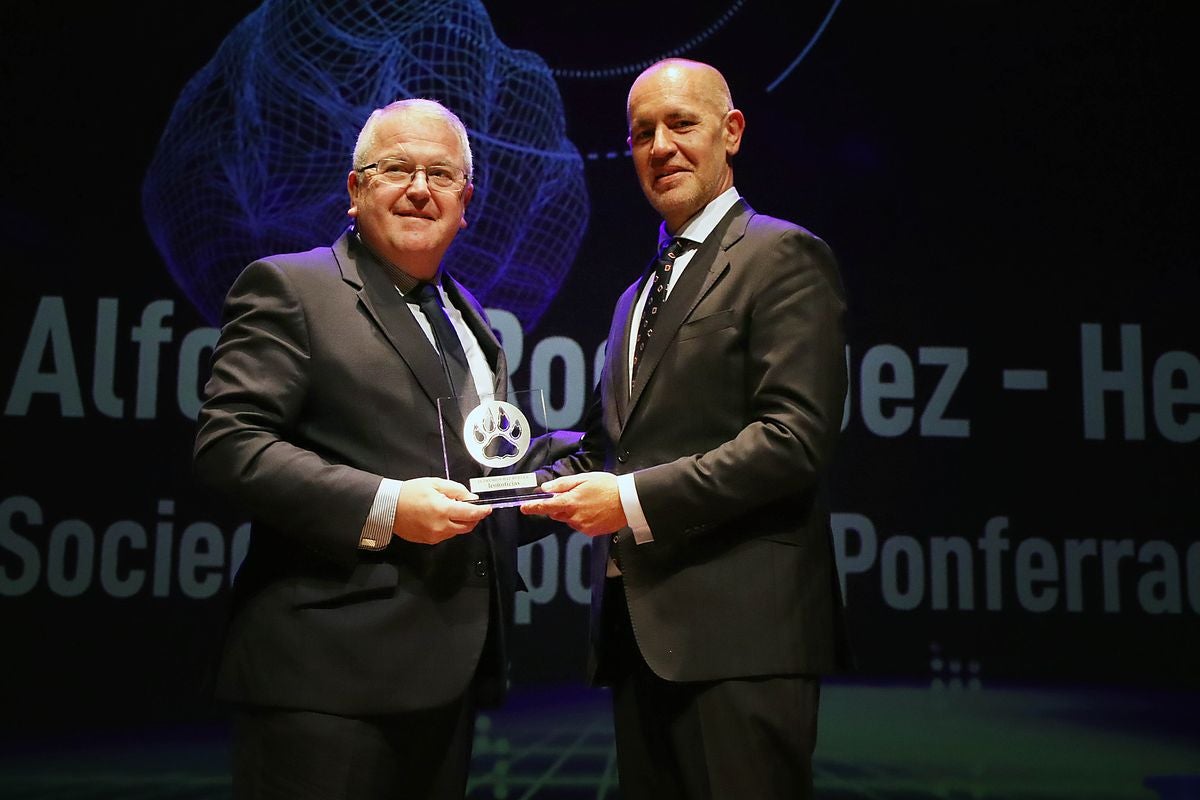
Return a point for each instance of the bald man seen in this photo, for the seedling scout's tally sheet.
(715, 602)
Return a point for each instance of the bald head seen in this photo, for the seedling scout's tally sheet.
(683, 134)
(703, 81)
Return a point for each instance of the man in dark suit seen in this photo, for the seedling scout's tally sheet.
(715, 606)
(369, 614)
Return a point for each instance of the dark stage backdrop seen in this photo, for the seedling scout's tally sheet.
(1010, 188)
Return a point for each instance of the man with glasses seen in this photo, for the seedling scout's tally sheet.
(368, 616)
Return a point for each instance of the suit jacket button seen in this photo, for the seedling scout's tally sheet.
(623, 456)
(481, 569)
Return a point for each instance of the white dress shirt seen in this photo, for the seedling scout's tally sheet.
(697, 229)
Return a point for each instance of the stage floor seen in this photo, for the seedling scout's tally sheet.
(877, 742)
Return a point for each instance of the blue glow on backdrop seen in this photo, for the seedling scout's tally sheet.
(254, 157)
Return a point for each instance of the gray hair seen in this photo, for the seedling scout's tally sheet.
(366, 137)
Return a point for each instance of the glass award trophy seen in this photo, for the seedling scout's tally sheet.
(492, 447)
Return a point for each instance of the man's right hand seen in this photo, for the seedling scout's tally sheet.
(431, 510)
(589, 502)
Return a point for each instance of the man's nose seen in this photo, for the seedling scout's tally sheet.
(420, 189)
(662, 144)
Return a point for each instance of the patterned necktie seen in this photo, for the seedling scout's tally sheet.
(450, 349)
(663, 265)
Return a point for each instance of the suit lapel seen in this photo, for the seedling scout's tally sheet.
(473, 316)
(709, 263)
(390, 312)
(484, 335)
(618, 355)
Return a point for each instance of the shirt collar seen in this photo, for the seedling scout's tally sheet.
(701, 225)
(401, 279)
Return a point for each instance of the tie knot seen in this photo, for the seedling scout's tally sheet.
(423, 294)
(674, 248)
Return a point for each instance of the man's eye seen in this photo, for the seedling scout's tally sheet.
(395, 169)
(439, 174)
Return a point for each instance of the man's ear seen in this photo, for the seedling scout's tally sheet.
(352, 184)
(735, 125)
(468, 192)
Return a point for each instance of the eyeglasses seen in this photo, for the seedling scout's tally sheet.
(400, 173)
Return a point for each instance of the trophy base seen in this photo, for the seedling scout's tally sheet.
(509, 500)
(501, 491)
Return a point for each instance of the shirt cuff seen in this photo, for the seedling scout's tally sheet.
(377, 532)
(632, 507)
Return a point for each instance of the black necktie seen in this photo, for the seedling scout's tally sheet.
(663, 264)
(450, 349)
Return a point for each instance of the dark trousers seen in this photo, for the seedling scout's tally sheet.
(280, 754)
(746, 738)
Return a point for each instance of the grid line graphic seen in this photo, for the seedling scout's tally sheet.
(254, 157)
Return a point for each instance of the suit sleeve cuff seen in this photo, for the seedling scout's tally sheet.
(377, 531)
(632, 507)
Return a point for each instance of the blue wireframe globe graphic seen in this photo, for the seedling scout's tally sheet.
(254, 156)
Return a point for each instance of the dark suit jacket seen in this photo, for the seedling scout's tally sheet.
(731, 427)
(322, 383)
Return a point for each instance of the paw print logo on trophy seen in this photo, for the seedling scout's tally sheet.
(496, 433)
